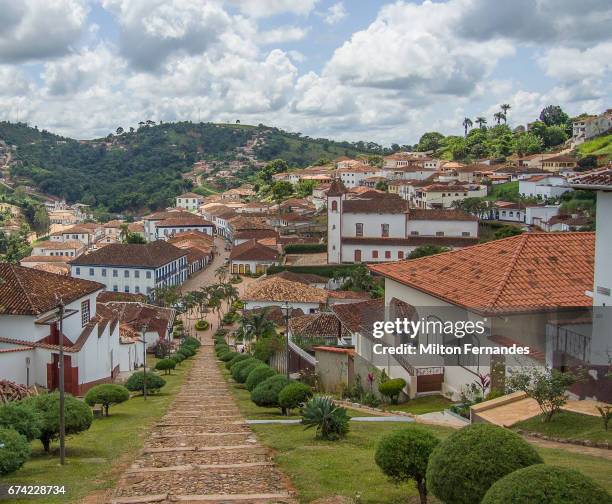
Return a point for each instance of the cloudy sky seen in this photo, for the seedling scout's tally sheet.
(351, 69)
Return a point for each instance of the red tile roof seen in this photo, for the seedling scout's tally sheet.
(600, 179)
(279, 290)
(26, 291)
(252, 250)
(529, 272)
(150, 255)
(438, 214)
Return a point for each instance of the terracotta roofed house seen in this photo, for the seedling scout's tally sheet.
(278, 292)
(252, 257)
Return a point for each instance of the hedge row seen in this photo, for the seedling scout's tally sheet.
(326, 271)
(305, 248)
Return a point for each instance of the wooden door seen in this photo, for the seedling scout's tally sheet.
(357, 256)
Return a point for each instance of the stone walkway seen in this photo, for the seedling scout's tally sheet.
(202, 450)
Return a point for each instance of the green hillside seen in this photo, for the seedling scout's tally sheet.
(600, 146)
(139, 170)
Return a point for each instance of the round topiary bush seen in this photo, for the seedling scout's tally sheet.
(241, 374)
(403, 456)
(546, 484)
(21, 416)
(266, 393)
(184, 355)
(237, 358)
(259, 374)
(187, 350)
(135, 383)
(192, 342)
(237, 367)
(14, 452)
(294, 395)
(178, 357)
(392, 388)
(202, 325)
(107, 394)
(165, 365)
(228, 356)
(463, 467)
(78, 416)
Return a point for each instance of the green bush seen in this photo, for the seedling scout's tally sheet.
(187, 351)
(78, 416)
(403, 456)
(135, 383)
(221, 332)
(546, 484)
(202, 325)
(107, 394)
(392, 388)
(260, 373)
(331, 421)
(165, 365)
(244, 369)
(464, 466)
(237, 358)
(305, 248)
(178, 357)
(194, 342)
(15, 450)
(266, 393)
(294, 396)
(228, 356)
(22, 417)
(238, 365)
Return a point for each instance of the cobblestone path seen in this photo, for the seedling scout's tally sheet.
(203, 451)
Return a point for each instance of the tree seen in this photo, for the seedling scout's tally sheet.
(119, 130)
(427, 250)
(507, 232)
(504, 108)
(499, 116)
(22, 417)
(392, 388)
(165, 365)
(78, 416)
(222, 272)
(430, 141)
(294, 395)
(481, 121)
(266, 393)
(135, 238)
(548, 388)
(305, 188)
(464, 466)
(457, 146)
(273, 167)
(403, 456)
(382, 185)
(281, 190)
(259, 374)
(553, 115)
(546, 484)
(554, 135)
(106, 395)
(41, 221)
(136, 381)
(526, 143)
(124, 231)
(467, 123)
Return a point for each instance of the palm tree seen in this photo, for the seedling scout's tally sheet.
(258, 323)
(124, 232)
(221, 273)
(481, 121)
(504, 108)
(499, 116)
(467, 123)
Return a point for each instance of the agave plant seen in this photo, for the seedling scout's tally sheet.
(331, 421)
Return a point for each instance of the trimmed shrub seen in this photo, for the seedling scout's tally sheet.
(107, 394)
(187, 350)
(259, 374)
(78, 416)
(165, 365)
(194, 342)
(22, 417)
(183, 355)
(202, 325)
(245, 368)
(266, 393)
(221, 332)
(14, 452)
(178, 357)
(305, 248)
(392, 388)
(331, 421)
(237, 358)
(228, 356)
(546, 484)
(294, 395)
(403, 456)
(464, 466)
(135, 383)
(237, 366)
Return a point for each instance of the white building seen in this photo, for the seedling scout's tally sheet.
(86, 233)
(68, 248)
(354, 175)
(279, 292)
(133, 268)
(543, 186)
(189, 201)
(444, 195)
(252, 257)
(163, 225)
(29, 331)
(585, 128)
(379, 227)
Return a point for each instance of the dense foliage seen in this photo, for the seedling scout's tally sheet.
(294, 395)
(237, 358)
(330, 421)
(392, 388)
(257, 375)
(136, 382)
(241, 369)
(403, 456)
(14, 450)
(22, 417)
(546, 484)
(106, 395)
(166, 365)
(463, 466)
(266, 393)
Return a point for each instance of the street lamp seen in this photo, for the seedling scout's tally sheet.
(285, 308)
(144, 361)
(62, 420)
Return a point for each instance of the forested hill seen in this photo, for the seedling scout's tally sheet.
(142, 169)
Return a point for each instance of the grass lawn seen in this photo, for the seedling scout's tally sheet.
(421, 405)
(96, 458)
(567, 424)
(599, 146)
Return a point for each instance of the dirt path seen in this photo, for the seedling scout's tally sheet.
(202, 450)
(572, 448)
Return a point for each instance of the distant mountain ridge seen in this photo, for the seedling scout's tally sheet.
(141, 169)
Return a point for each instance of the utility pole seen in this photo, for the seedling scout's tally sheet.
(62, 420)
(286, 309)
(144, 362)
